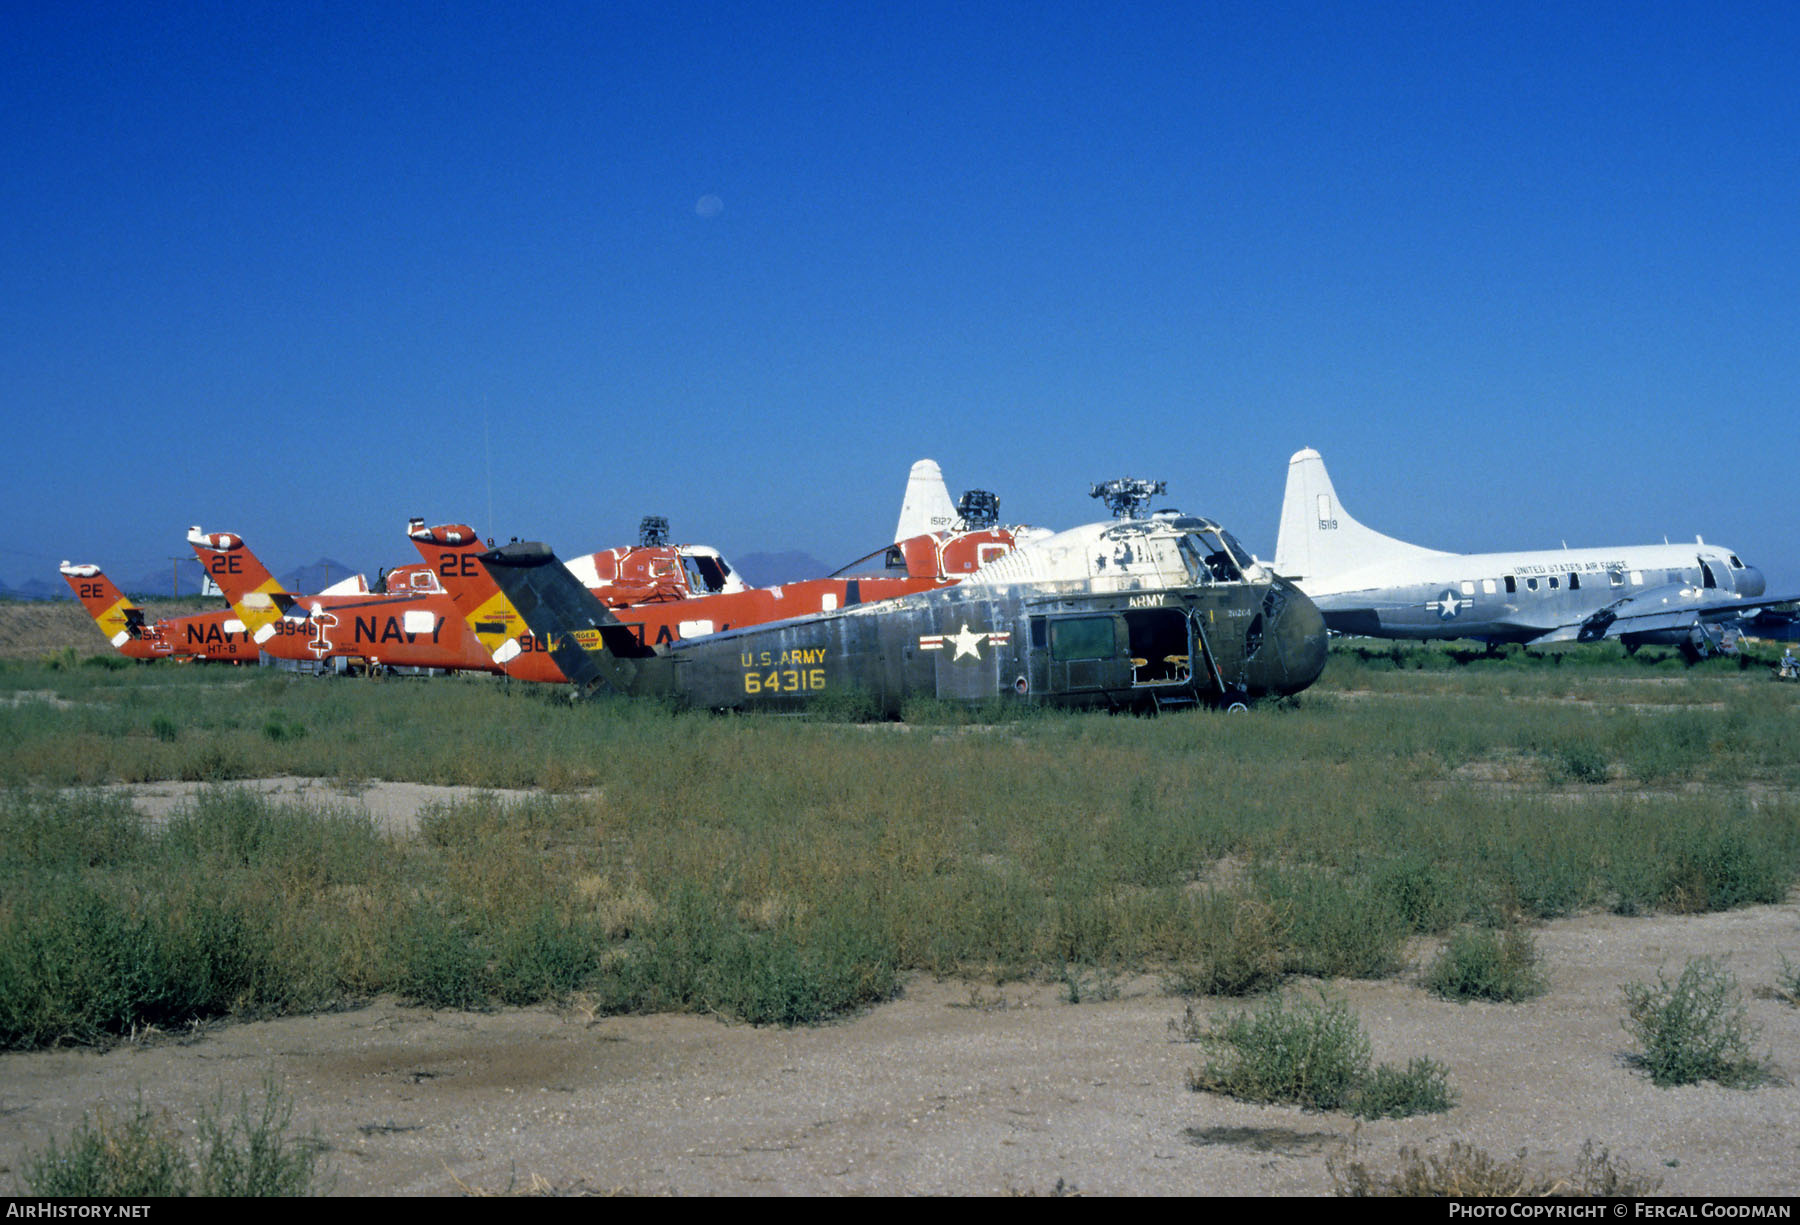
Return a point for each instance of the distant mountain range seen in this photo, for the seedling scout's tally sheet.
(773, 569)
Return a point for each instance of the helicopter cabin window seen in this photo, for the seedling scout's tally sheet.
(1487, 586)
(1637, 578)
(1512, 585)
(1616, 577)
(1468, 586)
(1554, 582)
(1531, 584)
(1574, 581)
(1083, 638)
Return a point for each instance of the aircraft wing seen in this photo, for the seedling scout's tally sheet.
(1670, 607)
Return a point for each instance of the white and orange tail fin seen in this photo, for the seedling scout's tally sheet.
(926, 508)
(1318, 538)
(118, 618)
(255, 596)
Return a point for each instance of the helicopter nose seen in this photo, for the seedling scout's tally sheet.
(1750, 581)
(1293, 655)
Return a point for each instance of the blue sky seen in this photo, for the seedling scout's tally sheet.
(1524, 273)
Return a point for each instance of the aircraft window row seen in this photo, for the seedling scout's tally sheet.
(1552, 582)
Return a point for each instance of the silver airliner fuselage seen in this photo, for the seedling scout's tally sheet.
(1370, 584)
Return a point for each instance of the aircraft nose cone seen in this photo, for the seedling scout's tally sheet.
(1750, 581)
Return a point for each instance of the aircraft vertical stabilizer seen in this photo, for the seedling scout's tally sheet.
(255, 595)
(927, 507)
(1318, 538)
(118, 618)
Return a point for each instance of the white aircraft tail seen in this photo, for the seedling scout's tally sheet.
(1318, 538)
(927, 506)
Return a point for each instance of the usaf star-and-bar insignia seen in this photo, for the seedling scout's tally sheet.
(967, 642)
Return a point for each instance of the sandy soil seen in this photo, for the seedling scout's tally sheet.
(393, 807)
(955, 1088)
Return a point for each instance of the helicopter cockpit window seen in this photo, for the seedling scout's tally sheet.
(1214, 551)
(1239, 553)
(705, 574)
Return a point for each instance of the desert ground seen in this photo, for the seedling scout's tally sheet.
(957, 1087)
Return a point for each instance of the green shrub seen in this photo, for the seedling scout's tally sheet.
(277, 731)
(1467, 1172)
(1483, 964)
(778, 978)
(697, 956)
(1722, 868)
(1390, 1093)
(1694, 1028)
(440, 963)
(1094, 984)
(1787, 982)
(1311, 1054)
(1334, 925)
(251, 1153)
(1239, 949)
(1427, 896)
(848, 704)
(543, 957)
(137, 1158)
(1543, 879)
(1576, 763)
(248, 1154)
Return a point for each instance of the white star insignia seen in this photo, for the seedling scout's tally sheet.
(1448, 605)
(968, 642)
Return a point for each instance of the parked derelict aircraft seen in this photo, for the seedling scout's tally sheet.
(410, 623)
(663, 593)
(1134, 612)
(216, 636)
(1371, 584)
